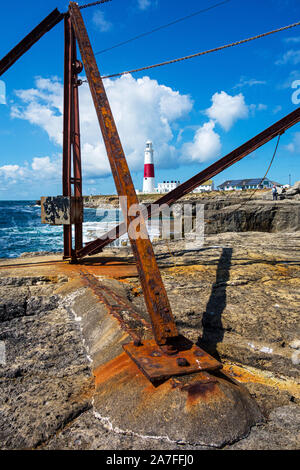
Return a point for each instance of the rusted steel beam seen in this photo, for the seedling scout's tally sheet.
(67, 132)
(151, 360)
(127, 317)
(77, 180)
(46, 25)
(233, 157)
(156, 299)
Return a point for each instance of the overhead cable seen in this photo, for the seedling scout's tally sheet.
(173, 61)
(93, 4)
(261, 181)
(134, 38)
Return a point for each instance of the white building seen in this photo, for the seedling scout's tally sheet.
(207, 186)
(167, 186)
(254, 183)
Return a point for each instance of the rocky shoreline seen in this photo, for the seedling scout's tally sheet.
(232, 211)
(237, 297)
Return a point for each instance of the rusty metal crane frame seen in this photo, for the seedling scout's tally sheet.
(169, 353)
(155, 295)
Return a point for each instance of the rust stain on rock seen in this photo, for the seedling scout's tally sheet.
(199, 390)
(193, 270)
(86, 392)
(255, 376)
(117, 367)
(115, 270)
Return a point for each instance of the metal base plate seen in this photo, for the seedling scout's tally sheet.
(157, 366)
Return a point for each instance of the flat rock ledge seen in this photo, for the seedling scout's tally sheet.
(67, 384)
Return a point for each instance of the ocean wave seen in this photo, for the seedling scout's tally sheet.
(21, 229)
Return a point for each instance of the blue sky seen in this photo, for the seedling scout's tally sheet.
(194, 112)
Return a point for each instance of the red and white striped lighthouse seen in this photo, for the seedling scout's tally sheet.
(149, 175)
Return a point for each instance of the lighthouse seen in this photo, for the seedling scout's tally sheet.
(149, 177)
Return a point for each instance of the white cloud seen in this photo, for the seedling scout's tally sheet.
(290, 57)
(227, 109)
(261, 107)
(100, 21)
(42, 106)
(277, 109)
(294, 145)
(13, 174)
(142, 109)
(9, 171)
(287, 83)
(206, 144)
(43, 168)
(295, 39)
(2, 92)
(144, 4)
(147, 112)
(249, 82)
(257, 107)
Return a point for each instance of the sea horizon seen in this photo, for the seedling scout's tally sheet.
(21, 229)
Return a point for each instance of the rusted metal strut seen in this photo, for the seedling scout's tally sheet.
(155, 294)
(248, 147)
(67, 131)
(71, 133)
(152, 357)
(46, 25)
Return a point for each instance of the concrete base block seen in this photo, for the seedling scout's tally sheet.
(199, 409)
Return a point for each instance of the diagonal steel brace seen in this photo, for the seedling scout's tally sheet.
(233, 157)
(34, 36)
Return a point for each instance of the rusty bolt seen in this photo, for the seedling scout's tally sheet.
(199, 353)
(169, 349)
(182, 362)
(78, 66)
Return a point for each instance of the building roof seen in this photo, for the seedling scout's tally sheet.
(246, 182)
(207, 183)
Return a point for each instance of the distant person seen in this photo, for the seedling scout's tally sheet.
(275, 193)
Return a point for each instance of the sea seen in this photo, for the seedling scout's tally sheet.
(21, 230)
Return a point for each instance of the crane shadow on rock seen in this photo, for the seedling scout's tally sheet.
(213, 330)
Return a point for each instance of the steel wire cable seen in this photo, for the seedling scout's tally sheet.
(134, 38)
(93, 4)
(173, 61)
(258, 186)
